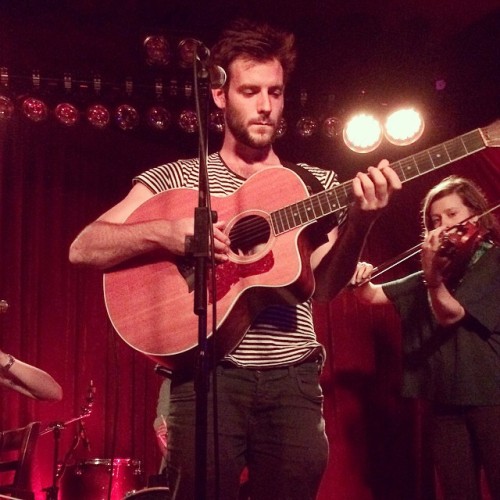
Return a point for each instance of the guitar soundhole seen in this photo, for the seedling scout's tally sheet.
(249, 235)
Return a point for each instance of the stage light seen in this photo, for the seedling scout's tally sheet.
(35, 109)
(306, 126)
(157, 50)
(158, 117)
(404, 127)
(186, 50)
(188, 121)
(67, 113)
(331, 127)
(7, 107)
(282, 128)
(216, 121)
(98, 115)
(126, 117)
(362, 133)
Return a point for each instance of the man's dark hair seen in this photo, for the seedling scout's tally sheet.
(255, 41)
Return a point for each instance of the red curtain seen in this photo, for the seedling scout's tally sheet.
(55, 180)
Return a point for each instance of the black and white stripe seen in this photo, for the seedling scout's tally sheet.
(280, 335)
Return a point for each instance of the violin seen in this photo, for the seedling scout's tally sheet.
(461, 240)
(458, 244)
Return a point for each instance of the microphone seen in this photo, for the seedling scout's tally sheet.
(215, 74)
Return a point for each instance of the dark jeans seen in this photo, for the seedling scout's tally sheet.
(464, 438)
(268, 420)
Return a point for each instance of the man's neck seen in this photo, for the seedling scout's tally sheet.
(247, 161)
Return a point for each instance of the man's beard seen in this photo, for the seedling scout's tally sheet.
(241, 133)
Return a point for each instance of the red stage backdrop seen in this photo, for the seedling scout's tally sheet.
(55, 180)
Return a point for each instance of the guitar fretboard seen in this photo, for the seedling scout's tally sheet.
(338, 197)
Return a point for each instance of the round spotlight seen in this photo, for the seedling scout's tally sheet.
(126, 117)
(98, 115)
(158, 118)
(331, 127)
(6, 107)
(67, 114)
(362, 133)
(306, 126)
(216, 121)
(157, 50)
(35, 109)
(188, 121)
(186, 50)
(404, 127)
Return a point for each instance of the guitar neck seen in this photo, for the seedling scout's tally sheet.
(337, 198)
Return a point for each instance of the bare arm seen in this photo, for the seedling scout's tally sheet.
(372, 192)
(28, 379)
(110, 240)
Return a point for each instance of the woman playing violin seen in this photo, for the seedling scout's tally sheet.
(450, 313)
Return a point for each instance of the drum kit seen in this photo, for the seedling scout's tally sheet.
(98, 478)
(106, 479)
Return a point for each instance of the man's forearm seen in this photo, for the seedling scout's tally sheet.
(104, 244)
(337, 267)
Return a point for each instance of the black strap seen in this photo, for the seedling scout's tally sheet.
(325, 224)
(311, 182)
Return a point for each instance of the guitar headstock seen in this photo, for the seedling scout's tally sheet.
(491, 134)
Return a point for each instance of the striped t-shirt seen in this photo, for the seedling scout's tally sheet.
(281, 335)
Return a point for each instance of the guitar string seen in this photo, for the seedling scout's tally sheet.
(307, 210)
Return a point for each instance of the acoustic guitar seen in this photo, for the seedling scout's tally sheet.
(149, 299)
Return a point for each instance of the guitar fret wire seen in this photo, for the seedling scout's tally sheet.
(320, 204)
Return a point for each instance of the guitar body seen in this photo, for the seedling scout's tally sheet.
(150, 300)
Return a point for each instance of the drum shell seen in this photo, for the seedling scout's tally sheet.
(92, 479)
(157, 493)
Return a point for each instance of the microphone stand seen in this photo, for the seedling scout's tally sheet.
(203, 233)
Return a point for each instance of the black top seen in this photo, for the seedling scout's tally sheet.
(458, 364)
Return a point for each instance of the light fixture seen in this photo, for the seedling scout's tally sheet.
(7, 106)
(158, 117)
(216, 121)
(362, 133)
(157, 50)
(67, 113)
(126, 115)
(306, 126)
(188, 121)
(404, 126)
(186, 51)
(33, 107)
(98, 115)
(282, 128)
(331, 127)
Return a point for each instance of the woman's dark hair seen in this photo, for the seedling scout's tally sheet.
(472, 197)
(255, 41)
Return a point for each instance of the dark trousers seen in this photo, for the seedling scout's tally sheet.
(270, 421)
(464, 439)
